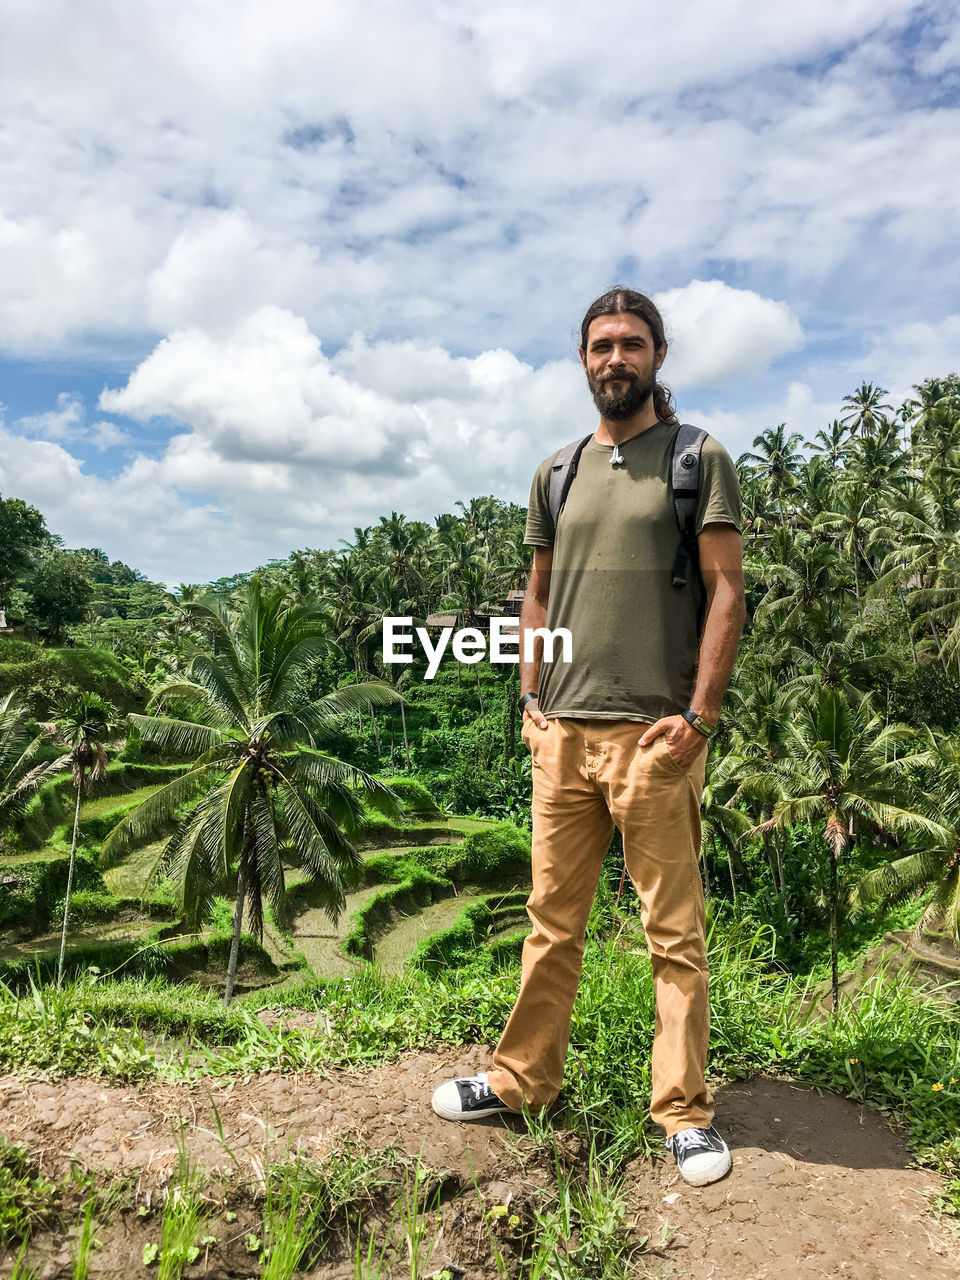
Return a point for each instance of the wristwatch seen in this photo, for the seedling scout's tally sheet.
(527, 697)
(698, 722)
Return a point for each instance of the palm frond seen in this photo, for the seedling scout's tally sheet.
(221, 694)
(182, 737)
(895, 880)
(143, 822)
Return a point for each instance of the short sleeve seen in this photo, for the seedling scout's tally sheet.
(540, 530)
(719, 501)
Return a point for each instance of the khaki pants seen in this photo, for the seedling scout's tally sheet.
(587, 776)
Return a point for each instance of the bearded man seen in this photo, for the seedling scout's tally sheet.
(619, 733)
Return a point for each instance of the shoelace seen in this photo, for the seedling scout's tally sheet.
(687, 1138)
(480, 1090)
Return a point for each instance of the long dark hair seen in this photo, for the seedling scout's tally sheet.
(617, 300)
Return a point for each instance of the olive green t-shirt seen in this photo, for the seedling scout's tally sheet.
(634, 635)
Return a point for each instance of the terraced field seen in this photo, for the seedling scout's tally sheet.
(431, 895)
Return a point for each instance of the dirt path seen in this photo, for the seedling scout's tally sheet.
(820, 1186)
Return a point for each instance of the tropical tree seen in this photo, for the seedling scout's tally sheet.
(260, 792)
(845, 775)
(866, 408)
(830, 442)
(84, 723)
(777, 461)
(933, 864)
(23, 767)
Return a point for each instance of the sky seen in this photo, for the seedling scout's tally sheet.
(271, 271)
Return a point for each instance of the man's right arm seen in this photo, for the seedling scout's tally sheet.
(534, 614)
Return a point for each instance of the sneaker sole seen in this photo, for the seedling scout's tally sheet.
(710, 1173)
(447, 1113)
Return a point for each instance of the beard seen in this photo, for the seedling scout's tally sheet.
(617, 406)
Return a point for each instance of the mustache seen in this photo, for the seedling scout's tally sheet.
(626, 376)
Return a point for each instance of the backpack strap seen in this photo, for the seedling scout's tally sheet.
(565, 464)
(685, 487)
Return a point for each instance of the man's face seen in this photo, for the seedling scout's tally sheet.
(621, 364)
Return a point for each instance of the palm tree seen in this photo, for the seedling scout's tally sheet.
(84, 724)
(851, 520)
(830, 443)
(260, 792)
(800, 573)
(937, 864)
(867, 410)
(844, 775)
(777, 462)
(23, 768)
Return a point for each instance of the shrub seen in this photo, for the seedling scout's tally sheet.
(47, 675)
(414, 797)
(31, 891)
(485, 857)
(89, 906)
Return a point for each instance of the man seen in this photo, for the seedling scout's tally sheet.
(618, 735)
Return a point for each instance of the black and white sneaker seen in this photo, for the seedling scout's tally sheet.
(469, 1098)
(702, 1155)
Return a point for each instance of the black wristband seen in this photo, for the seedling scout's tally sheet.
(527, 697)
(698, 722)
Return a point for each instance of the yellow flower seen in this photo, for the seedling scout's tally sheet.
(854, 1061)
(936, 1087)
(953, 1079)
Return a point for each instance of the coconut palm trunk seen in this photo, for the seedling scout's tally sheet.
(66, 901)
(83, 723)
(834, 932)
(733, 880)
(237, 928)
(406, 743)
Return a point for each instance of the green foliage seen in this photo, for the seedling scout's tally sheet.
(414, 797)
(16, 649)
(493, 857)
(53, 674)
(31, 892)
(22, 534)
(90, 906)
(49, 1029)
(184, 1213)
(27, 1199)
(927, 695)
(58, 592)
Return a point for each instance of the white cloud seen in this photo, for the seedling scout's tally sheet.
(63, 423)
(905, 354)
(107, 435)
(283, 446)
(437, 192)
(462, 174)
(67, 422)
(718, 333)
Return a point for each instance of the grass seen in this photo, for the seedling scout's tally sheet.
(27, 1200)
(84, 1241)
(183, 1216)
(890, 1047)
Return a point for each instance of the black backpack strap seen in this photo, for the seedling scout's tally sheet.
(685, 490)
(562, 473)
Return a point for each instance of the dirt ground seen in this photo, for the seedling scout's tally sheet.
(820, 1186)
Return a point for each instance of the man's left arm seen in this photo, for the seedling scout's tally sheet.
(721, 568)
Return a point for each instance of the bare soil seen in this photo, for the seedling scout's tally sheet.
(820, 1186)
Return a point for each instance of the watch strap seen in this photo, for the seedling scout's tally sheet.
(698, 722)
(527, 697)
